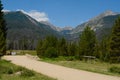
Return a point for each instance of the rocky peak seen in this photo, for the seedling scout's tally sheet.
(107, 13)
(102, 15)
(67, 28)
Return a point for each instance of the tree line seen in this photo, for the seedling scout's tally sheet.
(107, 49)
(21, 44)
(3, 32)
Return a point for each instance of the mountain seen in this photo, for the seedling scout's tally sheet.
(51, 25)
(56, 28)
(19, 23)
(63, 31)
(23, 27)
(101, 24)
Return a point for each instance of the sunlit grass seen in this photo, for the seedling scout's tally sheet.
(92, 66)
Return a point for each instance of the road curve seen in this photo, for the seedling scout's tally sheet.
(55, 71)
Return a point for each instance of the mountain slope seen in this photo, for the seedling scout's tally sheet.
(101, 24)
(51, 26)
(21, 26)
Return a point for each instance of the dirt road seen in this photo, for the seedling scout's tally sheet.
(55, 71)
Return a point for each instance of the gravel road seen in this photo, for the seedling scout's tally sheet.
(55, 71)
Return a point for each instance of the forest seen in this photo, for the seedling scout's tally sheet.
(107, 49)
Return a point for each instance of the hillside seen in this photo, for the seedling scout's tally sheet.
(101, 24)
(26, 30)
(22, 27)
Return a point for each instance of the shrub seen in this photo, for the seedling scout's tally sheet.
(51, 52)
(70, 58)
(10, 71)
(27, 73)
(20, 69)
(6, 70)
(0, 77)
(114, 69)
(2, 69)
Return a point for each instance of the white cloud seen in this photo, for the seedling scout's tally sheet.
(39, 16)
(6, 10)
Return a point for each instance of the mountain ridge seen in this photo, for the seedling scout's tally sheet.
(103, 21)
(99, 23)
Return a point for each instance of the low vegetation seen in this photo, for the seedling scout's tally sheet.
(114, 69)
(22, 52)
(8, 71)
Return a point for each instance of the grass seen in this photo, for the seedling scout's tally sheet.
(9, 71)
(92, 66)
(23, 52)
(114, 69)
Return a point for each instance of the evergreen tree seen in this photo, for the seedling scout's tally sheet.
(2, 32)
(39, 48)
(115, 43)
(63, 48)
(72, 49)
(104, 49)
(51, 52)
(87, 42)
(97, 50)
(48, 45)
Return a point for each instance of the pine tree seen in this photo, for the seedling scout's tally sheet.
(104, 49)
(87, 42)
(97, 50)
(49, 44)
(39, 48)
(115, 43)
(72, 49)
(2, 32)
(63, 48)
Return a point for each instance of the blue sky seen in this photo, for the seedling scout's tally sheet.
(63, 13)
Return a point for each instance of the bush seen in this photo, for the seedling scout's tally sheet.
(70, 58)
(6, 70)
(10, 71)
(20, 69)
(51, 52)
(114, 69)
(2, 69)
(27, 73)
(0, 77)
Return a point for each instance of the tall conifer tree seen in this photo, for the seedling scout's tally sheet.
(2, 32)
(115, 42)
(87, 42)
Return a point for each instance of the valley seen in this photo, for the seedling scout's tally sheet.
(37, 41)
